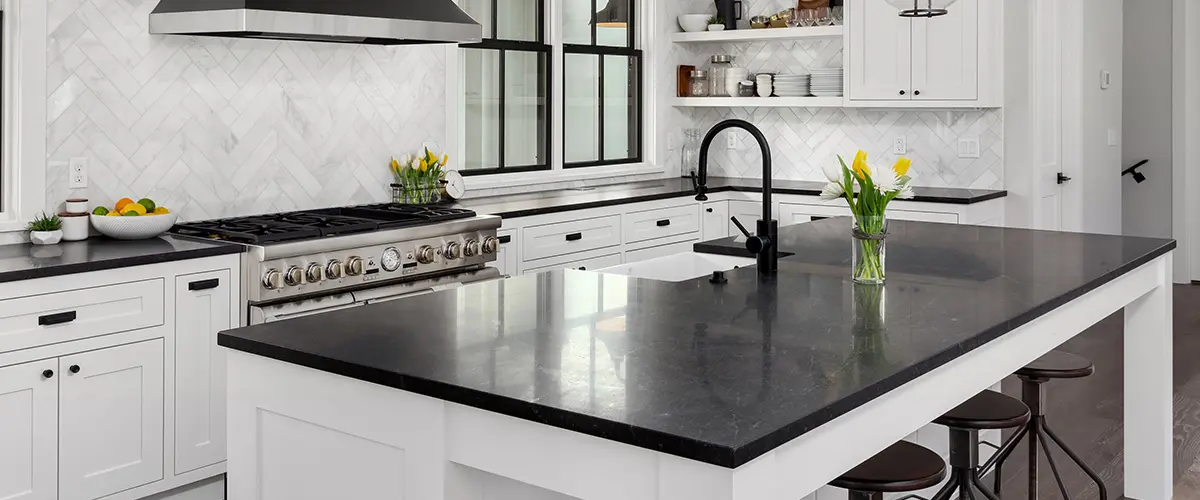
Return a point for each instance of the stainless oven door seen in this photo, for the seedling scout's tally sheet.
(402, 290)
(301, 308)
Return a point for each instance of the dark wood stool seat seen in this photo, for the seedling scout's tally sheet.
(1058, 364)
(901, 467)
(987, 410)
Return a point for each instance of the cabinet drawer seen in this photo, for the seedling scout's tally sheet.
(75, 314)
(539, 242)
(661, 223)
(659, 251)
(582, 265)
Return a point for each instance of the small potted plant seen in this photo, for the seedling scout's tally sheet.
(45, 230)
(716, 23)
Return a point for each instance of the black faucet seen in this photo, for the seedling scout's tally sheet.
(763, 243)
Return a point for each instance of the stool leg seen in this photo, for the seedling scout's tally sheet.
(978, 482)
(1042, 439)
(964, 486)
(1031, 395)
(1075, 458)
(948, 490)
(865, 495)
(997, 460)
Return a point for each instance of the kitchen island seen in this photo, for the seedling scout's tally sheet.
(571, 384)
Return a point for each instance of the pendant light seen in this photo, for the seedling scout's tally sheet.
(921, 8)
(613, 15)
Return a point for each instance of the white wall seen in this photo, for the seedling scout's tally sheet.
(1100, 163)
(1147, 116)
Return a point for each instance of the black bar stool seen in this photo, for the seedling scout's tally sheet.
(901, 468)
(987, 410)
(1054, 365)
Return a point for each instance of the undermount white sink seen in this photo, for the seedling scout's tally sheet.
(679, 267)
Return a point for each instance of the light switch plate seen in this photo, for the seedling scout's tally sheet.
(77, 173)
(968, 148)
(900, 145)
(1114, 137)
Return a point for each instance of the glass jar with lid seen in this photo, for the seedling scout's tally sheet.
(717, 71)
(699, 83)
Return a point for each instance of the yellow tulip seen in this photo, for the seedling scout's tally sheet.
(861, 169)
(902, 166)
(424, 165)
(445, 160)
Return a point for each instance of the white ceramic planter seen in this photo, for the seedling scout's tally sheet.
(45, 237)
(716, 27)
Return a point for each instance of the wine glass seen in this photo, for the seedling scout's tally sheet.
(791, 17)
(822, 17)
(838, 14)
(808, 17)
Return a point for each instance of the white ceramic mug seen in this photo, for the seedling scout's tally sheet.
(732, 77)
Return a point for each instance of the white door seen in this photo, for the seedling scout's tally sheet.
(110, 420)
(945, 54)
(202, 309)
(28, 431)
(1046, 117)
(880, 52)
(715, 221)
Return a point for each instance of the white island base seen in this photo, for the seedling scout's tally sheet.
(297, 433)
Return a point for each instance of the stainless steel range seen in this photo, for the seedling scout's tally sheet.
(316, 261)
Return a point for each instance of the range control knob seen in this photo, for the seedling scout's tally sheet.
(472, 248)
(294, 276)
(272, 280)
(314, 273)
(354, 266)
(425, 254)
(334, 269)
(491, 244)
(452, 251)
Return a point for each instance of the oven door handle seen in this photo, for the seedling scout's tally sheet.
(421, 287)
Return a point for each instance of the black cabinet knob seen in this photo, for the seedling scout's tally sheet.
(916, 92)
(903, 92)
(583, 268)
(48, 374)
(74, 368)
(709, 210)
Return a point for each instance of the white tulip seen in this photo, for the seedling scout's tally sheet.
(833, 172)
(886, 181)
(906, 193)
(833, 191)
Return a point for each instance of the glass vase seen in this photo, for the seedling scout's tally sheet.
(869, 266)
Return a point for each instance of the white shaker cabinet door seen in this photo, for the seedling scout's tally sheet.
(716, 221)
(880, 48)
(29, 431)
(202, 309)
(945, 55)
(110, 420)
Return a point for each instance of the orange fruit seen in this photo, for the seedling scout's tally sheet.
(122, 202)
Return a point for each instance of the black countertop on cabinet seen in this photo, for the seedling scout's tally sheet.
(716, 373)
(547, 202)
(26, 261)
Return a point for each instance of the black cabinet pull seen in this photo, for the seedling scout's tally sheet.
(74, 368)
(56, 319)
(709, 210)
(196, 286)
(505, 239)
(664, 223)
(574, 236)
(817, 218)
(48, 374)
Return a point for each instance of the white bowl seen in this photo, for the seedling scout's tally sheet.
(133, 228)
(693, 23)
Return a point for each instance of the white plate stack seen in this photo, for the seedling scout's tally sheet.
(826, 82)
(792, 85)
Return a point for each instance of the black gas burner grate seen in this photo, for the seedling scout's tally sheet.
(310, 224)
(390, 215)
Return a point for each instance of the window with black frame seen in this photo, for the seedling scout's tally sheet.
(505, 104)
(602, 67)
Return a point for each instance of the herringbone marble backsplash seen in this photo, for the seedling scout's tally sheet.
(803, 140)
(215, 128)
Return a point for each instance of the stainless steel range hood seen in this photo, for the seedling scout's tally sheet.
(374, 22)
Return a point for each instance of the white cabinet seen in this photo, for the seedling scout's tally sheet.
(506, 256)
(29, 431)
(746, 212)
(891, 58)
(592, 263)
(714, 220)
(551, 240)
(648, 225)
(110, 420)
(202, 309)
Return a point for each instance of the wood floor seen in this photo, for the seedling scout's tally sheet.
(1087, 413)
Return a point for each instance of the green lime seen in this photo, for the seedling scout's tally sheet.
(100, 211)
(148, 203)
(131, 213)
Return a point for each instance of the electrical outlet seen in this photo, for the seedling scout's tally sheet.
(900, 146)
(670, 141)
(968, 148)
(732, 140)
(1114, 137)
(78, 173)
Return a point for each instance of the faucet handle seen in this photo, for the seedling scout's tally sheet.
(754, 244)
(740, 227)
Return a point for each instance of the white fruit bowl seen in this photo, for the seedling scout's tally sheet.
(133, 228)
(694, 23)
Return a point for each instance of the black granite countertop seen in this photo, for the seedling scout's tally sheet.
(26, 261)
(548, 202)
(716, 373)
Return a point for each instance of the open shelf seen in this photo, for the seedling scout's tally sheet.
(757, 102)
(758, 35)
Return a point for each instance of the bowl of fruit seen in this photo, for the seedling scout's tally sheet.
(133, 220)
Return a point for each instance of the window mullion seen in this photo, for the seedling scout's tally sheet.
(503, 101)
(557, 84)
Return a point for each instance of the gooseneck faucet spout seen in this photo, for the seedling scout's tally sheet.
(763, 243)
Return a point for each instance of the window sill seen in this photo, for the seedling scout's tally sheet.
(554, 176)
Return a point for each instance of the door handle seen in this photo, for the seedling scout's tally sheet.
(1063, 179)
(816, 218)
(197, 286)
(505, 239)
(664, 223)
(56, 319)
(574, 236)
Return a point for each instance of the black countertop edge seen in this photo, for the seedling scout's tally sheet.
(27, 267)
(597, 427)
(767, 443)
